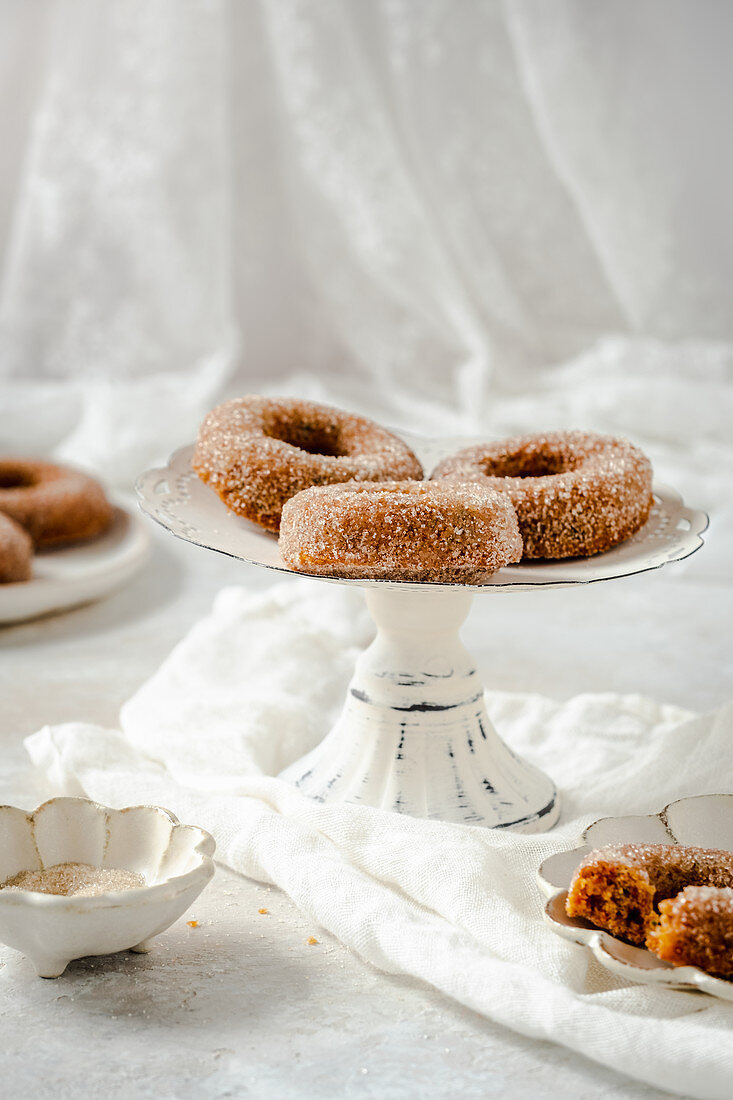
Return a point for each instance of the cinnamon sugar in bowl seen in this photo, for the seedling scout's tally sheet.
(78, 878)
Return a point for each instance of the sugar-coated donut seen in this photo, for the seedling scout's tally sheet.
(257, 452)
(54, 504)
(16, 551)
(695, 928)
(576, 493)
(620, 887)
(439, 531)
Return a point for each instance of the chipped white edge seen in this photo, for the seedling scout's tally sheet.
(674, 977)
(414, 735)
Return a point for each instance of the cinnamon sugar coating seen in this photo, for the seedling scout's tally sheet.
(575, 493)
(257, 452)
(75, 879)
(16, 552)
(695, 928)
(439, 531)
(619, 887)
(54, 504)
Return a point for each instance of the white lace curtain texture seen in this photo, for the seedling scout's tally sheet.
(470, 215)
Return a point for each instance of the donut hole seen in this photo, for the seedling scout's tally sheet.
(14, 477)
(527, 464)
(314, 439)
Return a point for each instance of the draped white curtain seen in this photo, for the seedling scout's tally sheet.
(457, 214)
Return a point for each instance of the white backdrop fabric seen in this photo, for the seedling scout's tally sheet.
(426, 208)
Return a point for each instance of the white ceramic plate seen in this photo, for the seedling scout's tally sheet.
(705, 821)
(176, 498)
(72, 575)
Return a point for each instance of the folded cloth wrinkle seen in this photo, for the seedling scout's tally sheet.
(260, 695)
(257, 683)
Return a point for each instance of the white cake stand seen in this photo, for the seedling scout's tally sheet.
(414, 735)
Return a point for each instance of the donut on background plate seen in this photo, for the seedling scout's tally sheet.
(16, 552)
(54, 504)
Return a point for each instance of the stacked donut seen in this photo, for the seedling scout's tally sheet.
(349, 498)
(41, 506)
(675, 899)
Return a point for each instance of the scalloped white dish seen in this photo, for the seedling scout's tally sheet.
(175, 861)
(71, 575)
(705, 821)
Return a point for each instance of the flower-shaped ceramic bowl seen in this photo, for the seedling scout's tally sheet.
(705, 821)
(173, 859)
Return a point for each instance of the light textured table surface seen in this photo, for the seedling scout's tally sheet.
(242, 1005)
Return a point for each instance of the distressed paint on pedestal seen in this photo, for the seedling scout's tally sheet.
(414, 735)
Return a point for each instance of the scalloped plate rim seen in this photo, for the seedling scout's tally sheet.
(686, 978)
(147, 496)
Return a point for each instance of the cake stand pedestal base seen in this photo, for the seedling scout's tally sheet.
(414, 735)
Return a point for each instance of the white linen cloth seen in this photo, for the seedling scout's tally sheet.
(415, 207)
(256, 684)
